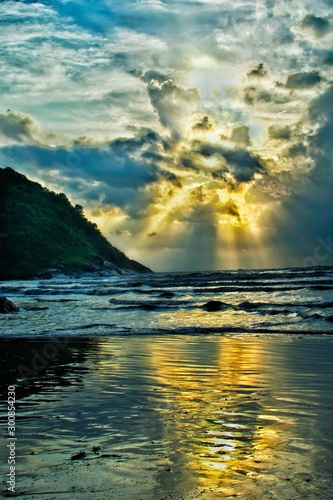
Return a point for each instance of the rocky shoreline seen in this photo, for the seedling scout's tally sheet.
(92, 270)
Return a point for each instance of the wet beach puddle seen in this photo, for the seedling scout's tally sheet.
(189, 417)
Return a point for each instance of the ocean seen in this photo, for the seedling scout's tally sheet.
(294, 300)
(181, 386)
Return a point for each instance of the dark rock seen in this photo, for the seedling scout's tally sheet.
(167, 295)
(214, 305)
(249, 305)
(50, 273)
(147, 307)
(6, 306)
(46, 275)
(79, 455)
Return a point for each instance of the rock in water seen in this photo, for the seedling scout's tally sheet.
(6, 306)
(215, 305)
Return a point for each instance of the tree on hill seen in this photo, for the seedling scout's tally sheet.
(40, 228)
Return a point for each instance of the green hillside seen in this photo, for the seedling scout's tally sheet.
(40, 229)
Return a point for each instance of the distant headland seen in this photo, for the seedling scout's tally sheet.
(44, 235)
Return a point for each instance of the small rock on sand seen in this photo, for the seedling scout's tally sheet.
(79, 455)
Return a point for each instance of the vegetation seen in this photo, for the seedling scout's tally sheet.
(40, 229)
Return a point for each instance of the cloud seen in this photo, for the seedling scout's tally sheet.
(118, 164)
(240, 163)
(240, 135)
(320, 26)
(171, 102)
(321, 108)
(280, 133)
(16, 127)
(229, 208)
(205, 123)
(170, 113)
(258, 72)
(250, 95)
(329, 58)
(305, 214)
(297, 149)
(253, 95)
(188, 161)
(303, 80)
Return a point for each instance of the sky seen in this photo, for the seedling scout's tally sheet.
(197, 134)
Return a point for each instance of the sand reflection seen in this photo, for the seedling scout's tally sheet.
(180, 417)
(228, 419)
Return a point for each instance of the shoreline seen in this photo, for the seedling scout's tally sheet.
(220, 303)
(175, 416)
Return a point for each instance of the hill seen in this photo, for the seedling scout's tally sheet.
(40, 229)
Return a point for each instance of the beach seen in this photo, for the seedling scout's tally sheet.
(174, 416)
(166, 250)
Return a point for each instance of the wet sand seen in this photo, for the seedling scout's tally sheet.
(176, 417)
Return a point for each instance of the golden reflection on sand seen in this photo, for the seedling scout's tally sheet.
(183, 417)
(220, 423)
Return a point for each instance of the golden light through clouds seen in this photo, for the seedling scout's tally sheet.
(177, 124)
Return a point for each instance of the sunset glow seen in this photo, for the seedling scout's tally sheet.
(184, 129)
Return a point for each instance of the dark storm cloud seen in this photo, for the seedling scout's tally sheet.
(204, 124)
(303, 80)
(121, 163)
(258, 72)
(321, 109)
(187, 161)
(250, 95)
(307, 227)
(253, 95)
(170, 176)
(18, 127)
(329, 58)
(229, 208)
(110, 165)
(239, 162)
(320, 26)
(156, 157)
(321, 145)
(297, 149)
(119, 173)
(280, 133)
(144, 137)
(170, 101)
